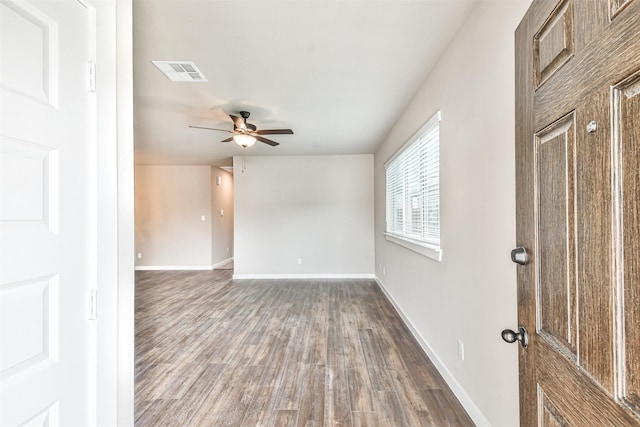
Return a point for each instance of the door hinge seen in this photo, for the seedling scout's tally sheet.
(93, 304)
(92, 76)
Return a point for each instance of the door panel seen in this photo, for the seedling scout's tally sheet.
(556, 195)
(553, 43)
(45, 241)
(626, 110)
(578, 204)
(29, 52)
(30, 304)
(551, 416)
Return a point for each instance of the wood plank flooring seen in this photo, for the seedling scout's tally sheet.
(211, 351)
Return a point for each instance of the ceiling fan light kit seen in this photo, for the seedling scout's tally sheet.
(244, 140)
(246, 134)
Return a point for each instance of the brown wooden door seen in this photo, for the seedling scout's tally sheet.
(578, 211)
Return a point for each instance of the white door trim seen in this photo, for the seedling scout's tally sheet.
(126, 243)
(114, 213)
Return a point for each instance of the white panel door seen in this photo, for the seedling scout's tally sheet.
(46, 258)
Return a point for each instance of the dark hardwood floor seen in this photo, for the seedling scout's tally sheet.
(215, 352)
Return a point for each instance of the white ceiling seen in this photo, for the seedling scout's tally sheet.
(338, 73)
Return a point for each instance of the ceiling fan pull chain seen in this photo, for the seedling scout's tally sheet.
(243, 166)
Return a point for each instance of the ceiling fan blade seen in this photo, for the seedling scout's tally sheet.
(266, 141)
(238, 121)
(274, 132)
(221, 130)
(228, 139)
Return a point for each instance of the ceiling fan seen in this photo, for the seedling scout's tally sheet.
(245, 134)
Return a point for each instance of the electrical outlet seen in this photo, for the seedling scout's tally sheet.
(139, 255)
(384, 271)
(461, 350)
(203, 218)
(227, 250)
(299, 261)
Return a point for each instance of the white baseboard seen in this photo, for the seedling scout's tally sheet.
(471, 408)
(173, 267)
(303, 276)
(223, 262)
(182, 267)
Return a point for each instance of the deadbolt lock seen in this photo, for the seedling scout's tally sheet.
(520, 255)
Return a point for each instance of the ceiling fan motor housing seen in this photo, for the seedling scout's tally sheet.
(248, 127)
(245, 115)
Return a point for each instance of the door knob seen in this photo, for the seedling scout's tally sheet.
(520, 255)
(511, 336)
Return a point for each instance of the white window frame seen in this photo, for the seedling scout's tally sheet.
(429, 247)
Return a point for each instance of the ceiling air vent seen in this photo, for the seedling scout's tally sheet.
(180, 71)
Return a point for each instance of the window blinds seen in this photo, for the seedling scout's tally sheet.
(413, 187)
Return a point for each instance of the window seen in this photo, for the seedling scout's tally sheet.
(413, 192)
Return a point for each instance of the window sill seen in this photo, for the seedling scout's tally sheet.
(432, 252)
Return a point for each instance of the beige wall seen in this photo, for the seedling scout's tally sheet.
(170, 203)
(471, 295)
(315, 208)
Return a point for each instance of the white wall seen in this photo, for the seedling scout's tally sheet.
(170, 201)
(316, 208)
(470, 295)
(221, 223)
